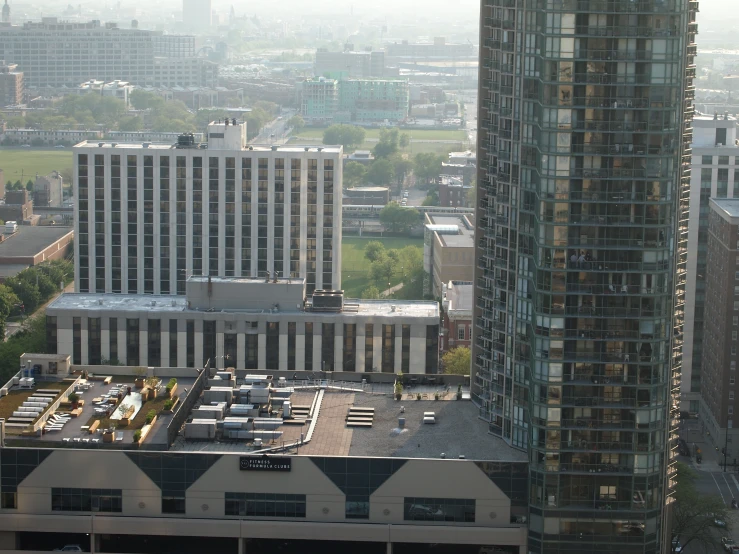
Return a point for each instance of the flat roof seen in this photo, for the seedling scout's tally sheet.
(163, 303)
(727, 207)
(458, 430)
(464, 239)
(292, 148)
(30, 240)
(460, 296)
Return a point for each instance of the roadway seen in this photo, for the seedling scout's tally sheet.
(275, 131)
(711, 478)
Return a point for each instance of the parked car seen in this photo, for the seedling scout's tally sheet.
(25, 146)
(60, 146)
(718, 522)
(728, 543)
(69, 548)
(676, 546)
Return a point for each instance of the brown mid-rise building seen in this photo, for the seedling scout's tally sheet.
(718, 384)
(11, 84)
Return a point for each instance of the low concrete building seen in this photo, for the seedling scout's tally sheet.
(448, 250)
(364, 157)
(456, 305)
(48, 190)
(31, 245)
(248, 323)
(366, 196)
(377, 484)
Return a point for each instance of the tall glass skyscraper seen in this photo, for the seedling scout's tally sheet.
(584, 171)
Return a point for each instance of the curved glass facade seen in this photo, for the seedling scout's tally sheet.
(584, 170)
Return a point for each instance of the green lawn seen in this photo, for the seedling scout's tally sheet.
(25, 163)
(415, 134)
(355, 267)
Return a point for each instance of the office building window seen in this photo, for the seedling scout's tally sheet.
(327, 346)
(86, 500)
(76, 340)
(132, 342)
(458, 510)
(291, 332)
(173, 343)
(405, 364)
(264, 504)
(350, 347)
(209, 343)
(229, 350)
(154, 342)
(252, 351)
(190, 342)
(369, 346)
(273, 345)
(432, 349)
(308, 346)
(93, 341)
(113, 338)
(388, 348)
(51, 334)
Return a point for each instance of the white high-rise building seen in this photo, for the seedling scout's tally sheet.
(149, 215)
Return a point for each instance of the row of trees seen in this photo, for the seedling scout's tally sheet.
(24, 293)
(92, 111)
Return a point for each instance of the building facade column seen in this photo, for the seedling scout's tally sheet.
(359, 355)
(339, 347)
(282, 361)
(398, 363)
(377, 348)
(240, 351)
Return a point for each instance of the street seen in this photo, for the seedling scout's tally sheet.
(711, 478)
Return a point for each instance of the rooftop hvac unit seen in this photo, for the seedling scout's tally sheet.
(328, 300)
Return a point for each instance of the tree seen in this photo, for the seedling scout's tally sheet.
(427, 166)
(8, 300)
(404, 140)
(387, 145)
(693, 513)
(349, 136)
(354, 173)
(398, 219)
(432, 199)
(374, 250)
(382, 269)
(296, 122)
(144, 100)
(457, 361)
(380, 172)
(402, 167)
(29, 185)
(371, 293)
(27, 292)
(130, 123)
